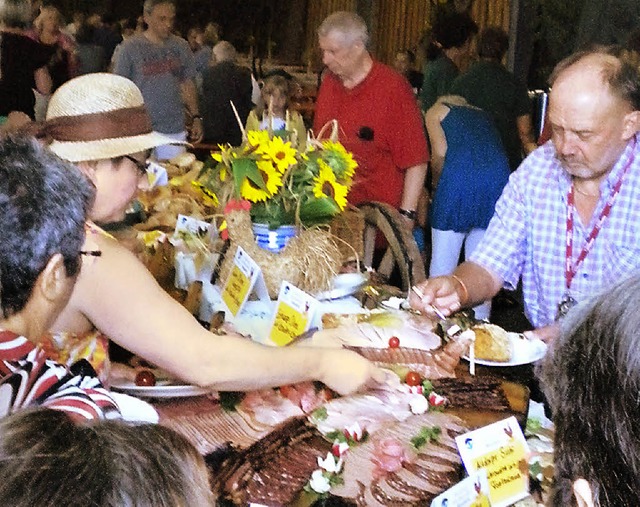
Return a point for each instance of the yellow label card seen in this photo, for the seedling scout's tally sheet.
(238, 286)
(294, 311)
(501, 450)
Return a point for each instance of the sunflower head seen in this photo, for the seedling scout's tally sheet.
(258, 141)
(262, 184)
(326, 185)
(339, 159)
(281, 153)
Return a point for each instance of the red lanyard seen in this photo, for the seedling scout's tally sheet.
(571, 270)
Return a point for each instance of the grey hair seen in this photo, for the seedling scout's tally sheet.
(44, 202)
(149, 5)
(15, 13)
(591, 378)
(349, 25)
(224, 51)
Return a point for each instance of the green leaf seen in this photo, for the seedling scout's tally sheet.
(427, 388)
(247, 168)
(336, 435)
(425, 435)
(319, 414)
(318, 211)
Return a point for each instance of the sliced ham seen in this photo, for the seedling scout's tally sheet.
(437, 465)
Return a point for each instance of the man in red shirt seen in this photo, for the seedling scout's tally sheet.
(378, 117)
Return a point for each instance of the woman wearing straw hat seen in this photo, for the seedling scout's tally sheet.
(99, 122)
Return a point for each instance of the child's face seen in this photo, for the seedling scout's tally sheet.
(277, 100)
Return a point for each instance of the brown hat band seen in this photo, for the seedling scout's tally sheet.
(129, 122)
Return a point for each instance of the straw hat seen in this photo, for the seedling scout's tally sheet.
(99, 116)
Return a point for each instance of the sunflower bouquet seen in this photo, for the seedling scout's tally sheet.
(284, 185)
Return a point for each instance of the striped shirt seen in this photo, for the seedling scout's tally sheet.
(28, 378)
(527, 234)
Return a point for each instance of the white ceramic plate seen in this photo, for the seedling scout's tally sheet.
(163, 389)
(524, 352)
(344, 285)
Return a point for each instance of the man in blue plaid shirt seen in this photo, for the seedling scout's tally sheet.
(568, 222)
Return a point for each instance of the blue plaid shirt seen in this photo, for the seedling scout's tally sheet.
(526, 236)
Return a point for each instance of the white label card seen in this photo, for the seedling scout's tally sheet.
(157, 175)
(470, 492)
(191, 225)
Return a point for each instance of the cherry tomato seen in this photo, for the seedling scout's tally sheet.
(145, 378)
(394, 342)
(413, 378)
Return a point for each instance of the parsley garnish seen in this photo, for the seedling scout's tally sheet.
(425, 436)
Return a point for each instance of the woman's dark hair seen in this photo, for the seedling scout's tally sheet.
(591, 378)
(450, 31)
(493, 43)
(48, 459)
(44, 202)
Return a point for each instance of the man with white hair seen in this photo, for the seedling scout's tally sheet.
(162, 66)
(377, 113)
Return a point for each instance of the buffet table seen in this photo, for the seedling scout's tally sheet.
(233, 442)
(265, 446)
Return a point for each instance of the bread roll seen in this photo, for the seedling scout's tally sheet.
(492, 343)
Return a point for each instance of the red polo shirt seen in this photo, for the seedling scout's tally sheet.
(380, 123)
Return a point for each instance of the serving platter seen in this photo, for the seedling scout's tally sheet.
(163, 389)
(525, 351)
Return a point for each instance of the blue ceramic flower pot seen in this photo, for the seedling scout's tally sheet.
(273, 240)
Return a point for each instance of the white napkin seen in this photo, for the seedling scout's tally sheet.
(134, 409)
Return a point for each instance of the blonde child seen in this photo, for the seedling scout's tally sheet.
(275, 113)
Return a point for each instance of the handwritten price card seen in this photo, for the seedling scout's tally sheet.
(294, 311)
(470, 492)
(501, 450)
(244, 274)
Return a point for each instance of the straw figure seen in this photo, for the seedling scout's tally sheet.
(309, 261)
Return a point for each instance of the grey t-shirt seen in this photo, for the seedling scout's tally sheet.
(158, 70)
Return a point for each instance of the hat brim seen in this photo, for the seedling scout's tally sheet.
(104, 149)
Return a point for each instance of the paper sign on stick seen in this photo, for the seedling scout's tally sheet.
(501, 450)
(157, 175)
(470, 492)
(294, 311)
(245, 276)
(191, 225)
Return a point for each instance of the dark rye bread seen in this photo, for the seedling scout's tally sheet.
(273, 470)
(480, 391)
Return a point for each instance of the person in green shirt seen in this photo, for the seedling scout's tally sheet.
(487, 84)
(448, 48)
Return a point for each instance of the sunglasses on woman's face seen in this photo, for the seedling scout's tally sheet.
(141, 166)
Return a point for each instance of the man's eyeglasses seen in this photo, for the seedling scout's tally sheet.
(141, 166)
